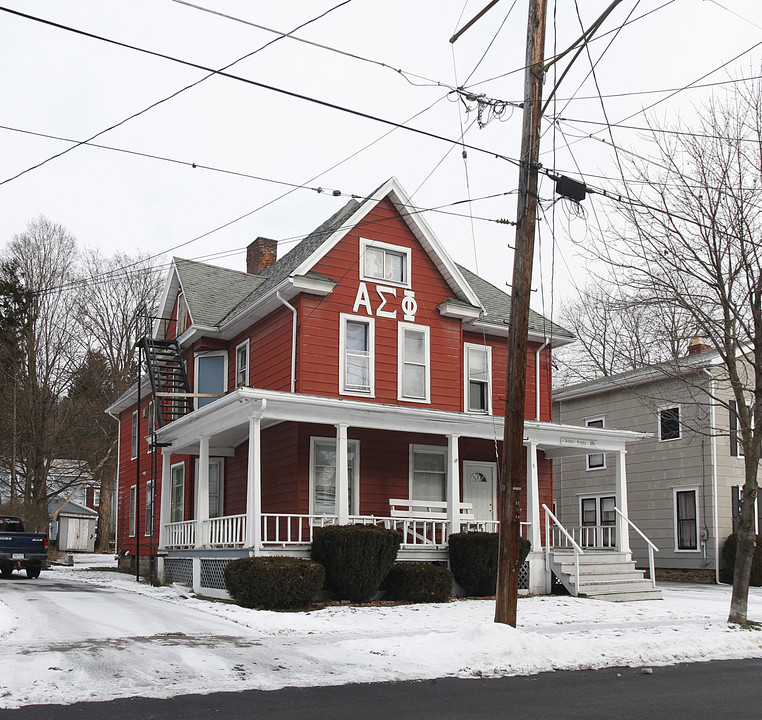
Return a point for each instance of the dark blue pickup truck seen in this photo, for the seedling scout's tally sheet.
(19, 549)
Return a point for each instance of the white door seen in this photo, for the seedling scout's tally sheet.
(479, 488)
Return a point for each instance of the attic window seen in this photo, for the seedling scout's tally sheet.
(384, 262)
(182, 315)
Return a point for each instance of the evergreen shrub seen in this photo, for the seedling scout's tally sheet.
(473, 560)
(273, 583)
(419, 582)
(356, 558)
(729, 561)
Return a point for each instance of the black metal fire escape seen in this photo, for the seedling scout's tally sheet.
(169, 381)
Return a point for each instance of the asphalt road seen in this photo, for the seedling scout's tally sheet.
(699, 691)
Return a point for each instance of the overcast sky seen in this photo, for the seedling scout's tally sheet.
(396, 63)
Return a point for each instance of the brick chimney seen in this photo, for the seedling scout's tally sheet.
(260, 255)
(697, 346)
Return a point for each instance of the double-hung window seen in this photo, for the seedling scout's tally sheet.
(686, 518)
(242, 364)
(478, 378)
(413, 371)
(177, 493)
(133, 508)
(216, 486)
(595, 461)
(428, 472)
(134, 439)
(669, 423)
(356, 355)
(382, 262)
(211, 373)
(323, 475)
(149, 508)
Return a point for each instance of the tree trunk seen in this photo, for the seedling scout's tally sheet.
(747, 540)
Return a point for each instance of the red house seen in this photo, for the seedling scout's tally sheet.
(358, 379)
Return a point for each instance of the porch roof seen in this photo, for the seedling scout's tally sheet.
(225, 422)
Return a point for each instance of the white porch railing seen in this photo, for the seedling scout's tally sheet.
(548, 544)
(651, 547)
(284, 530)
(181, 534)
(586, 536)
(227, 531)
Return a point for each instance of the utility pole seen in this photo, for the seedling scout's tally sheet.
(513, 435)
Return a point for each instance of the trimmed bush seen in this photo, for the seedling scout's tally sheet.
(419, 582)
(473, 560)
(273, 583)
(356, 558)
(729, 561)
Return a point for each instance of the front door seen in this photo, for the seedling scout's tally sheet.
(479, 488)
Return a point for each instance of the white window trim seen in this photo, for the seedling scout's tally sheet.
(247, 345)
(221, 462)
(134, 438)
(370, 322)
(588, 420)
(686, 488)
(171, 489)
(433, 450)
(401, 327)
(597, 497)
(399, 249)
(355, 481)
(680, 421)
(151, 420)
(133, 510)
(467, 378)
(207, 354)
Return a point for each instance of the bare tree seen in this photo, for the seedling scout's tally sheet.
(111, 310)
(691, 244)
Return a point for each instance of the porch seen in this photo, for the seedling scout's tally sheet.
(230, 422)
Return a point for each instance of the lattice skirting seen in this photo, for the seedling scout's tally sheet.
(178, 570)
(212, 573)
(524, 576)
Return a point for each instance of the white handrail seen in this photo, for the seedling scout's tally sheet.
(577, 549)
(651, 547)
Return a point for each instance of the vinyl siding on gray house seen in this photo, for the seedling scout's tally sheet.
(656, 468)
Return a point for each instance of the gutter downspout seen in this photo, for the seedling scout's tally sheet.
(537, 377)
(715, 518)
(293, 339)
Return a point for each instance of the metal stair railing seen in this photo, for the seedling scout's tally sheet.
(577, 549)
(651, 547)
(169, 382)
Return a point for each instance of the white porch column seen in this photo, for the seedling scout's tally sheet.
(254, 484)
(537, 571)
(453, 484)
(623, 529)
(533, 498)
(342, 474)
(165, 501)
(202, 498)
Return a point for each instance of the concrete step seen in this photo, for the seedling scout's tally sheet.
(607, 568)
(606, 577)
(614, 587)
(652, 594)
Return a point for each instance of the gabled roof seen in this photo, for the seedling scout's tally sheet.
(640, 376)
(497, 310)
(212, 291)
(282, 269)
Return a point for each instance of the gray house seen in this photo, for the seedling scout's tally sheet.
(684, 481)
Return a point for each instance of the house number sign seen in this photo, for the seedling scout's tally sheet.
(388, 302)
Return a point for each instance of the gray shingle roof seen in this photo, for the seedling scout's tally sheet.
(212, 291)
(497, 308)
(279, 271)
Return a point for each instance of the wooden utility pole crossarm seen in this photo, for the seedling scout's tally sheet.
(513, 438)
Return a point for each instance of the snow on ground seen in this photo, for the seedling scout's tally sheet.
(219, 646)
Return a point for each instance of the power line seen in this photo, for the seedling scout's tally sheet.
(255, 83)
(321, 46)
(163, 100)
